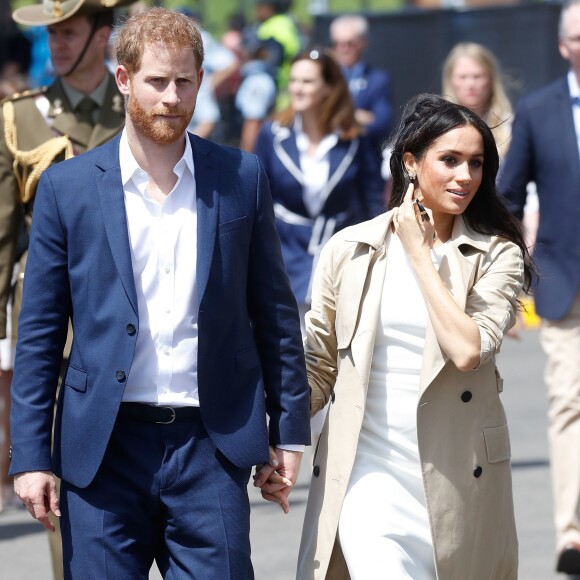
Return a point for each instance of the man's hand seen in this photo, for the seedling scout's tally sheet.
(37, 491)
(277, 477)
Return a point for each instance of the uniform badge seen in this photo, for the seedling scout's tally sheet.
(118, 106)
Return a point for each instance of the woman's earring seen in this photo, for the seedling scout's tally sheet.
(412, 175)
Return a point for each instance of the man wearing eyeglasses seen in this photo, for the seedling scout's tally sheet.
(545, 148)
(370, 87)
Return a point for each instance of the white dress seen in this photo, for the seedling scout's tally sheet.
(384, 528)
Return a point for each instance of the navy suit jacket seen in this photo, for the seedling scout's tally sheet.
(250, 357)
(544, 149)
(374, 94)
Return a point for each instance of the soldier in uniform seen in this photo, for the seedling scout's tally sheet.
(79, 111)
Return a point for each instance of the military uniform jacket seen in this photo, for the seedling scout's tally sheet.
(40, 116)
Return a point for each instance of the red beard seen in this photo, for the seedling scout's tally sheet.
(156, 128)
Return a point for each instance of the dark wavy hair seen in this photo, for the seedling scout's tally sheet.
(425, 118)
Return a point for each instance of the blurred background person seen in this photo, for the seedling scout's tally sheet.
(256, 95)
(281, 38)
(323, 174)
(370, 87)
(472, 78)
(15, 54)
(219, 65)
(545, 148)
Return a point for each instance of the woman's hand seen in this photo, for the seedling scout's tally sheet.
(414, 225)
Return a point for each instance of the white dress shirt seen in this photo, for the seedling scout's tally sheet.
(163, 240)
(315, 168)
(575, 92)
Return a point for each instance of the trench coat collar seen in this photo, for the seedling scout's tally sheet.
(373, 233)
(456, 270)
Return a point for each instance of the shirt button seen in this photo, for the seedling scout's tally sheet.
(167, 269)
(131, 330)
(165, 351)
(477, 471)
(120, 376)
(164, 390)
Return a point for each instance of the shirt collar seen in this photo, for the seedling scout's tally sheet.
(573, 84)
(131, 171)
(98, 95)
(302, 141)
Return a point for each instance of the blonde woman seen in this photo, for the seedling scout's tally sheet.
(472, 78)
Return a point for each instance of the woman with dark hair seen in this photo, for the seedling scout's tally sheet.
(323, 174)
(412, 474)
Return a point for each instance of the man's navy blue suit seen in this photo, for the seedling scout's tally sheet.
(544, 149)
(250, 358)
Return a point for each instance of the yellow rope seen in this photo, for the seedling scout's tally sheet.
(39, 159)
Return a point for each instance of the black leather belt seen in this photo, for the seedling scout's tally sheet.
(162, 415)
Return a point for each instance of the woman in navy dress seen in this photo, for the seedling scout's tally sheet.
(323, 172)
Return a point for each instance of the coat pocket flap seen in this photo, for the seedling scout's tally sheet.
(497, 443)
(76, 379)
(247, 359)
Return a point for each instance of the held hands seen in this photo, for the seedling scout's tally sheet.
(276, 478)
(414, 224)
(37, 491)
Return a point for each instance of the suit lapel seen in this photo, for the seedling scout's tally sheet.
(112, 199)
(207, 203)
(567, 129)
(341, 157)
(360, 295)
(286, 151)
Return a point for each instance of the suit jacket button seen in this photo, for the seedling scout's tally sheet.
(316, 471)
(466, 396)
(131, 330)
(120, 376)
(477, 471)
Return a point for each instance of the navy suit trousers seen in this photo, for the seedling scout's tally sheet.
(163, 493)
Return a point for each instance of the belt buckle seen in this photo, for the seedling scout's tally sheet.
(170, 420)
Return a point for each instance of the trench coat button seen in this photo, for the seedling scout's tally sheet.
(332, 397)
(131, 330)
(477, 471)
(466, 396)
(120, 376)
(316, 471)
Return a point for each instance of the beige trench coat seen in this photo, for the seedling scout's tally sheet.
(461, 424)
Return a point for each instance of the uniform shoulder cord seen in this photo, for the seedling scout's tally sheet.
(39, 159)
